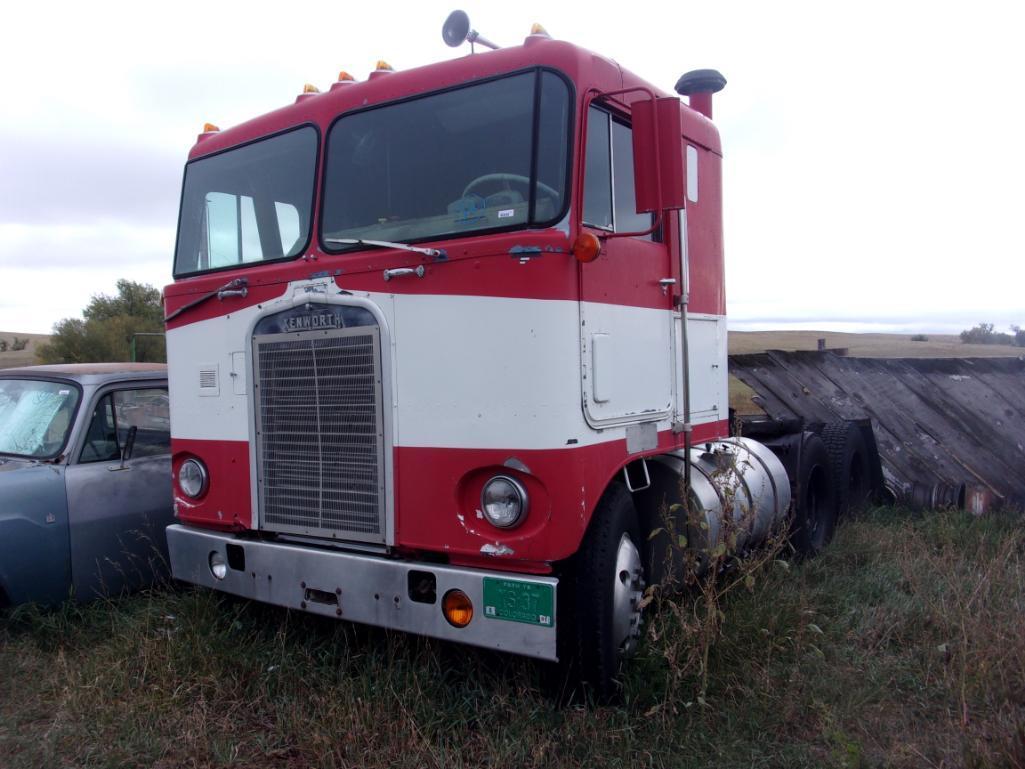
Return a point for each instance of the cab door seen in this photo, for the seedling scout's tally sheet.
(119, 503)
(626, 318)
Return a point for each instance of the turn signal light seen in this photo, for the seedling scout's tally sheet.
(586, 247)
(209, 128)
(457, 608)
(310, 88)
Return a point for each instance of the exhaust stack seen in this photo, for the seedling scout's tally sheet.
(698, 85)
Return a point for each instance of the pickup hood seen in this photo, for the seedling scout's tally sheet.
(35, 560)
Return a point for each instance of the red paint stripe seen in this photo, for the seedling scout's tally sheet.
(437, 494)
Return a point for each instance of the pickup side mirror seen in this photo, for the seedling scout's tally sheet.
(658, 154)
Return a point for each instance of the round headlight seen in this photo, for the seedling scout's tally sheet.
(504, 501)
(192, 478)
(218, 566)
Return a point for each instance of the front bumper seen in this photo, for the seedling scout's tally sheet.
(374, 590)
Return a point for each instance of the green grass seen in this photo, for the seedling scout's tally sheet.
(903, 645)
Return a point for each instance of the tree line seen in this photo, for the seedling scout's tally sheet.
(105, 330)
(984, 334)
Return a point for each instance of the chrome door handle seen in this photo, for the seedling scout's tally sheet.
(399, 271)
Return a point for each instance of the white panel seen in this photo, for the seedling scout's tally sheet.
(601, 372)
(466, 372)
(692, 174)
(709, 383)
(639, 355)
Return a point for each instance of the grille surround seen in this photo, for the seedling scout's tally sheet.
(318, 403)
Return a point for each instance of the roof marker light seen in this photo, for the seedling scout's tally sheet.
(345, 77)
(537, 29)
(383, 66)
(209, 128)
(310, 88)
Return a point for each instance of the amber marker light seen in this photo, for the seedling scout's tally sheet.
(382, 65)
(586, 247)
(345, 77)
(457, 608)
(209, 128)
(310, 88)
(537, 29)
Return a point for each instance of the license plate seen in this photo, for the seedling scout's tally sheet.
(518, 601)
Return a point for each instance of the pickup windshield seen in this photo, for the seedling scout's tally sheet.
(249, 204)
(487, 156)
(35, 416)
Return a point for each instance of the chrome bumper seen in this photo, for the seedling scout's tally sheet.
(362, 588)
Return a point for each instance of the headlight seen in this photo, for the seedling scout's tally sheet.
(218, 566)
(504, 501)
(192, 478)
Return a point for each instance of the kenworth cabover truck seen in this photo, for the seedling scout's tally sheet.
(444, 345)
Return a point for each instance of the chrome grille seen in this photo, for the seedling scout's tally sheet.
(319, 433)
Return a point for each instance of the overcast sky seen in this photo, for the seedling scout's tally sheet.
(874, 152)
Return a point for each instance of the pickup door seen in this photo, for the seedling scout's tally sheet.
(118, 508)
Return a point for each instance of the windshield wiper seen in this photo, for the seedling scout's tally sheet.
(383, 244)
(236, 287)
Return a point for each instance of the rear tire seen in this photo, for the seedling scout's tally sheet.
(814, 517)
(604, 591)
(848, 466)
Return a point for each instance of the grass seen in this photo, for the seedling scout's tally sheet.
(27, 357)
(902, 645)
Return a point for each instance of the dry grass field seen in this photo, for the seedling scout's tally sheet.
(27, 357)
(868, 345)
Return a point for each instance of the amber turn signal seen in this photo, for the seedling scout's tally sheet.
(457, 608)
(586, 247)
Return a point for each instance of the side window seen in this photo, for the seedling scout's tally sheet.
(610, 200)
(147, 411)
(114, 417)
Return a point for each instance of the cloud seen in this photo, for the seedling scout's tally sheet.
(65, 179)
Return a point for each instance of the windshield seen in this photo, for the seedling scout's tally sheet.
(249, 204)
(35, 416)
(488, 156)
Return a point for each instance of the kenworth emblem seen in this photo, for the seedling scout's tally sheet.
(315, 316)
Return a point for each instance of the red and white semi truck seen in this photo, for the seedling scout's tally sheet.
(444, 345)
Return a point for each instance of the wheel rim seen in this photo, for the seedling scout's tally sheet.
(628, 588)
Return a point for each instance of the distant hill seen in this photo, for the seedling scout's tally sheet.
(27, 357)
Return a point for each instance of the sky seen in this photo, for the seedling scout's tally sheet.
(874, 172)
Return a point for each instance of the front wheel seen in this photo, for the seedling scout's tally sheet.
(606, 588)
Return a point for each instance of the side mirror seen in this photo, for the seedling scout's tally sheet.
(658, 154)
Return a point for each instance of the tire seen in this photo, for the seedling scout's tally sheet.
(814, 518)
(604, 589)
(848, 466)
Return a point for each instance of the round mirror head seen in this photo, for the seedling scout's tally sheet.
(457, 27)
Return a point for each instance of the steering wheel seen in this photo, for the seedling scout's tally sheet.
(506, 179)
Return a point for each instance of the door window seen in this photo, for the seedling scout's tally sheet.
(116, 414)
(610, 201)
